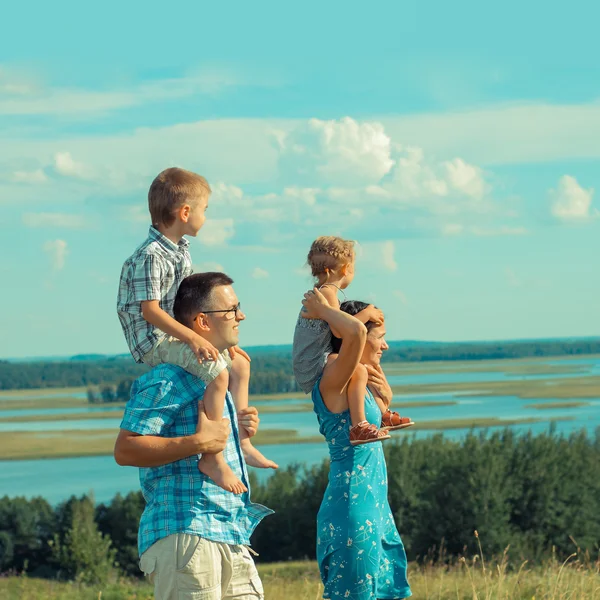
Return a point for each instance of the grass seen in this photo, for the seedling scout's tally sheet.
(550, 405)
(473, 579)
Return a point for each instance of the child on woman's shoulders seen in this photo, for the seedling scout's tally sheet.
(331, 260)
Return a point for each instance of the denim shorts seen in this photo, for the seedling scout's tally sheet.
(311, 347)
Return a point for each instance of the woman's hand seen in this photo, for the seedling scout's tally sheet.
(379, 384)
(314, 303)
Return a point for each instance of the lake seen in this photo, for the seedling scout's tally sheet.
(57, 479)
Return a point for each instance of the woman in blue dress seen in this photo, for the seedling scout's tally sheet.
(359, 550)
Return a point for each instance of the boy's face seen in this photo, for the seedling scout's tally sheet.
(196, 215)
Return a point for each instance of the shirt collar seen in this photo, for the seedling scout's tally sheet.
(157, 236)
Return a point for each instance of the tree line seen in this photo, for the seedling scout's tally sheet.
(271, 371)
(537, 494)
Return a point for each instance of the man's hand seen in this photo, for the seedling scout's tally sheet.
(237, 350)
(314, 303)
(202, 348)
(379, 384)
(248, 419)
(211, 435)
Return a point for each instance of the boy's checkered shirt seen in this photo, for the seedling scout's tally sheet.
(179, 498)
(153, 272)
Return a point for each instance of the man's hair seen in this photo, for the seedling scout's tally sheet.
(171, 189)
(329, 252)
(352, 307)
(194, 295)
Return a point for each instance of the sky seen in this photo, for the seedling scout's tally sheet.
(458, 143)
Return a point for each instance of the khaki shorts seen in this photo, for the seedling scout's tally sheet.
(171, 351)
(187, 567)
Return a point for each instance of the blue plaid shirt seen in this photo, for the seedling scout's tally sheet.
(179, 498)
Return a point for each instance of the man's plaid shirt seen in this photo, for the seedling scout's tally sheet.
(179, 498)
(153, 272)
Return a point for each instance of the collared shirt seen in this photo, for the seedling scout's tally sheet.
(153, 272)
(179, 498)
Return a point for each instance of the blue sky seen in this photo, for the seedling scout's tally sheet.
(459, 143)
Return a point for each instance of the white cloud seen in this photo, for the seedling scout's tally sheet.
(20, 97)
(66, 166)
(401, 296)
(465, 178)
(512, 278)
(571, 202)
(452, 229)
(259, 273)
(336, 152)
(54, 220)
(205, 267)
(455, 229)
(387, 256)
(34, 177)
(216, 232)
(57, 252)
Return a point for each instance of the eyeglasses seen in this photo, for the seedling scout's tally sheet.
(229, 313)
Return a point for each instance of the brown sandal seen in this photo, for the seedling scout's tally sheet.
(390, 421)
(365, 433)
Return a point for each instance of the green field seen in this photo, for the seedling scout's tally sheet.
(468, 580)
(555, 405)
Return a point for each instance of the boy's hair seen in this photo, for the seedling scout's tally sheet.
(194, 295)
(352, 307)
(329, 252)
(170, 190)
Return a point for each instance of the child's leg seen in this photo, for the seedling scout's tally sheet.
(214, 465)
(361, 432)
(357, 389)
(239, 380)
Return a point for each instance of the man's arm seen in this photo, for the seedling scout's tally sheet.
(135, 450)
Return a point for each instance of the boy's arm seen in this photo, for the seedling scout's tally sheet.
(155, 315)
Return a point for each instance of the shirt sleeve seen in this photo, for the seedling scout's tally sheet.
(152, 408)
(145, 278)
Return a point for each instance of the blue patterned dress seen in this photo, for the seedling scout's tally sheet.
(359, 550)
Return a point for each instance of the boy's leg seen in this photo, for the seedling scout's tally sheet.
(239, 380)
(214, 374)
(214, 465)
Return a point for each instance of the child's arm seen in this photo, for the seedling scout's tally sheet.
(330, 294)
(371, 313)
(155, 315)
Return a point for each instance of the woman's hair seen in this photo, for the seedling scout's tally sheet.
(329, 252)
(352, 307)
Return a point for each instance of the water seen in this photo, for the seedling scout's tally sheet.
(57, 479)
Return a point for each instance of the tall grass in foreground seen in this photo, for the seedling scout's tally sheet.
(578, 578)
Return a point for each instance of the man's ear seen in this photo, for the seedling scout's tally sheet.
(201, 322)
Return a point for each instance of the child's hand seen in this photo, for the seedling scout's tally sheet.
(372, 314)
(314, 303)
(202, 348)
(237, 350)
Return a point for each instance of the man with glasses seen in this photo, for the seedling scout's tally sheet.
(194, 536)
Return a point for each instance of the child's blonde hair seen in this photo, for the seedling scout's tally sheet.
(171, 189)
(329, 252)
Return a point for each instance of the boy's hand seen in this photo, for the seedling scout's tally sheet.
(248, 419)
(314, 303)
(202, 348)
(237, 350)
